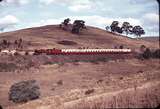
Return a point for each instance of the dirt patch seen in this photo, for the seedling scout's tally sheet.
(67, 42)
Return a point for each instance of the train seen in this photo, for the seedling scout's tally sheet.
(55, 51)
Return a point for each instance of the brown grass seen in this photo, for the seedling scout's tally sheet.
(7, 67)
(131, 98)
(85, 75)
(104, 78)
(48, 36)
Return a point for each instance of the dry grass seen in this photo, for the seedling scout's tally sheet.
(49, 36)
(105, 77)
(88, 73)
(7, 67)
(145, 96)
(13, 63)
(131, 98)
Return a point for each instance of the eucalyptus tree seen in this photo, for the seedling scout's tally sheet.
(138, 31)
(78, 25)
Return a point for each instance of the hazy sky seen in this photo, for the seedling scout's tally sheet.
(18, 14)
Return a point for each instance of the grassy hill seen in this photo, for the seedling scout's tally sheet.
(49, 37)
(121, 83)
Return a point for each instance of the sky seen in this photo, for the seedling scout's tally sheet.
(19, 14)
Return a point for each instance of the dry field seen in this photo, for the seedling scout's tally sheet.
(86, 79)
(81, 85)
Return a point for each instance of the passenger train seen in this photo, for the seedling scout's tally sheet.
(81, 51)
(67, 51)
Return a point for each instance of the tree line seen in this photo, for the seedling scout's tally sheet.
(75, 28)
(126, 28)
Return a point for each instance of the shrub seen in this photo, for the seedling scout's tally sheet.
(121, 47)
(24, 91)
(99, 81)
(156, 53)
(142, 48)
(1, 107)
(102, 59)
(94, 61)
(48, 63)
(60, 82)
(89, 91)
(26, 53)
(121, 78)
(7, 67)
(147, 54)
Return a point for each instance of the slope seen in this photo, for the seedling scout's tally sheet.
(49, 36)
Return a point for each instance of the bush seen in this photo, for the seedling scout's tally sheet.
(89, 91)
(142, 48)
(147, 54)
(60, 82)
(7, 67)
(121, 47)
(1, 107)
(24, 91)
(156, 53)
(102, 59)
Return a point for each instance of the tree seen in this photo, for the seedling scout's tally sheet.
(66, 21)
(77, 26)
(64, 24)
(138, 31)
(118, 30)
(130, 28)
(114, 25)
(115, 28)
(126, 27)
(107, 28)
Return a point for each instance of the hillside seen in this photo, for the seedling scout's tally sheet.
(103, 83)
(49, 36)
(151, 39)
